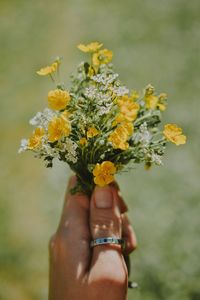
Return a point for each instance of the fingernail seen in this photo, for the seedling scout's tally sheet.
(103, 197)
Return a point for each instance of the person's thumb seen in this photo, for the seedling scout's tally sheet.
(105, 216)
(105, 221)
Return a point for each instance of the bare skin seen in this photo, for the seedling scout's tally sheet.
(76, 270)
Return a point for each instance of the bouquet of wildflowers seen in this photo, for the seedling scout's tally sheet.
(98, 126)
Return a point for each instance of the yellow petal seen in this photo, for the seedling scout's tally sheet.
(58, 128)
(103, 56)
(180, 140)
(92, 131)
(83, 48)
(173, 133)
(103, 173)
(161, 106)
(83, 141)
(48, 69)
(36, 138)
(58, 99)
(91, 47)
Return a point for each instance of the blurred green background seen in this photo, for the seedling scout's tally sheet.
(154, 42)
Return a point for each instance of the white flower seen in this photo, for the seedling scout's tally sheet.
(91, 92)
(120, 90)
(80, 76)
(145, 135)
(23, 145)
(36, 119)
(43, 118)
(47, 150)
(104, 109)
(71, 158)
(70, 148)
(157, 159)
(105, 79)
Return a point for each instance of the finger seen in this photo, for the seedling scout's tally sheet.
(105, 221)
(105, 216)
(75, 210)
(128, 235)
(122, 204)
(73, 234)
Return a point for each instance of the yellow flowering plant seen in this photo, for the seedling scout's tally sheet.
(98, 126)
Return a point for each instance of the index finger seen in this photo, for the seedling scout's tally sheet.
(73, 231)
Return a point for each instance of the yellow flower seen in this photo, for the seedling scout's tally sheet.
(58, 99)
(58, 128)
(104, 173)
(149, 90)
(162, 97)
(161, 106)
(92, 131)
(153, 101)
(91, 47)
(174, 134)
(162, 101)
(36, 139)
(128, 127)
(103, 56)
(91, 71)
(83, 141)
(117, 141)
(49, 69)
(120, 135)
(128, 108)
(119, 119)
(135, 95)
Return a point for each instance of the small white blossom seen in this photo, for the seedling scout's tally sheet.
(23, 145)
(70, 148)
(104, 109)
(42, 118)
(36, 119)
(91, 92)
(145, 135)
(71, 158)
(80, 76)
(105, 79)
(157, 159)
(102, 142)
(103, 98)
(49, 151)
(120, 90)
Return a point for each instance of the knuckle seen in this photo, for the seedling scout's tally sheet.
(56, 243)
(104, 223)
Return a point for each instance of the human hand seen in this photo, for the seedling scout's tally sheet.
(78, 271)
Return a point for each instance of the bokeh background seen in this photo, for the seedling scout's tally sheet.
(154, 42)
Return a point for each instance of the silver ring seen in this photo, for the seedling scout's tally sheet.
(107, 240)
